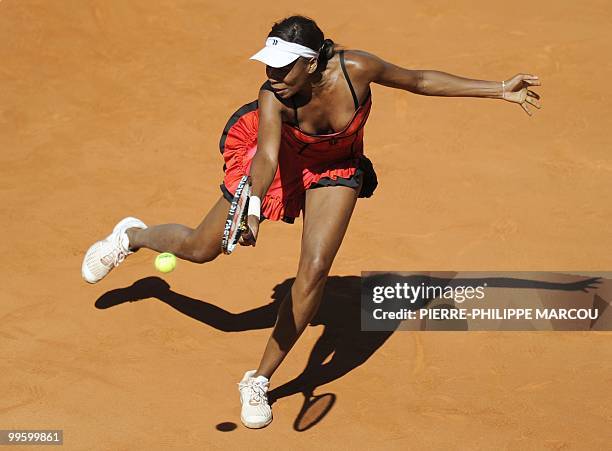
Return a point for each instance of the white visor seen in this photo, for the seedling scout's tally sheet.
(279, 53)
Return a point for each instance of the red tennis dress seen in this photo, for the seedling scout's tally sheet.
(305, 161)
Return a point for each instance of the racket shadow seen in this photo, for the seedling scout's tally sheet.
(314, 409)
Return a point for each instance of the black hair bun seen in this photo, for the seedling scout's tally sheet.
(327, 50)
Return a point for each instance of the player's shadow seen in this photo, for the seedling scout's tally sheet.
(341, 339)
(342, 346)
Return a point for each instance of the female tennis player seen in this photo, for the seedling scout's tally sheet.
(301, 143)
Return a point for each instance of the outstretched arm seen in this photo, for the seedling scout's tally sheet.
(437, 83)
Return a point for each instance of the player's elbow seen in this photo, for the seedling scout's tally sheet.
(421, 82)
(434, 83)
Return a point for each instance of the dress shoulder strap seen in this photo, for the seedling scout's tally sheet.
(348, 80)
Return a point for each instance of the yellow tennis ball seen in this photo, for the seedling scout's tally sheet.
(165, 262)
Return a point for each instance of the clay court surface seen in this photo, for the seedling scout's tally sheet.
(114, 108)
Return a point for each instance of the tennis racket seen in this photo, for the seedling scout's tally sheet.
(236, 224)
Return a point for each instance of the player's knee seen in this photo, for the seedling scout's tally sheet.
(202, 255)
(197, 254)
(315, 269)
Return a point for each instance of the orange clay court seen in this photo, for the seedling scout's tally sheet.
(114, 107)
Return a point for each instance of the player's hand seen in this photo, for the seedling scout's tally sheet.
(517, 90)
(249, 236)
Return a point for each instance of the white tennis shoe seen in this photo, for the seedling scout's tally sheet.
(256, 412)
(108, 253)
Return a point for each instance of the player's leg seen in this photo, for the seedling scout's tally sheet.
(327, 214)
(198, 245)
(326, 217)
